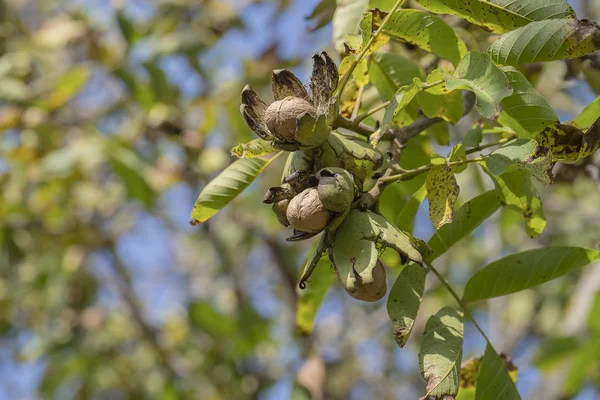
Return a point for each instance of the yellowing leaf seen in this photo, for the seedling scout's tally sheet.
(254, 148)
(569, 144)
(442, 191)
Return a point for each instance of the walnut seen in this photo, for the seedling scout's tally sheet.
(306, 213)
(281, 115)
(373, 291)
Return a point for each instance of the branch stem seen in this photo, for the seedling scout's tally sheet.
(364, 51)
(461, 303)
(487, 145)
(409, 174)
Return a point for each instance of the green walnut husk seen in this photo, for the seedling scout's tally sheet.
(359, 242)
(350, 153)
(297, 119)
(311, 203)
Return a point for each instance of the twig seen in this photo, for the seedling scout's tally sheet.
(487, 145)
(357, 103)
(462, 304)
(409, 174)
(361, 129)
(364, 51)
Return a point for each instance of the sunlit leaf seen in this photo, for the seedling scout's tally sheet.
(501, 15)
(494, 382)
(438, 101)
(518, 192)
(525, 270)
(555, 39)
(404, 300)
(466, 219)
(442, 192)
(525, 110)
(226, 186)
(427, 32)
(522, 155)
(67, 87)
(389, 72)
(590, 115)
(441, 353)
(346, 19)
(477, 73)
(254, 148)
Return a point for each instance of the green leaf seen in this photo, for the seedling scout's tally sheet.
(473, 137)
(404, 300)
(322, 14)
(427, 32)
(501, 15)
(441, 353)
(66, 88)
(525, 270)
(406, 217)
(594, 316)
(477, 73)
(226, 186)
(13, 90)
(525, 111)
(583, 367)
(458, 153)
(554, 352)
(494, 382)
(438, 101)
(130, 168)
(127, 28)
(311, 297)
(522, 155)
(568, 144)
(204, 316)
(466, 219)
(556, 39)
(398, 103)
(389, 72)
(346, 19)
(442, 191)
(590, 115)
(254, 148)
(440, 133)
(518, 193)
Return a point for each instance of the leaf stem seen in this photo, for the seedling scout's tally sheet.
(411, 173)
(383, 105)
(364, 51)
(462, 305)
(487, 145)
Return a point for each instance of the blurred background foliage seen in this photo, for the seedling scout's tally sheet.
(114, 115)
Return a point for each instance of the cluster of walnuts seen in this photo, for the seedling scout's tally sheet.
(324, 175)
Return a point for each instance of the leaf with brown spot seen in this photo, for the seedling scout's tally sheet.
(404, 300)
(548, 40)
(569, 144)
(522, 155)
(442, 191)
(441, 353)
